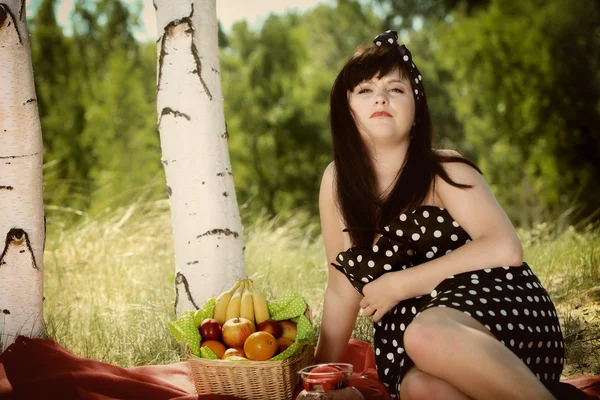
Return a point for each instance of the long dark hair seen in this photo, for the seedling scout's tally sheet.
(363, 211)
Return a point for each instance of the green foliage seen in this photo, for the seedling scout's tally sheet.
(276, 83)
(512, 85)
(61, 112)
(526, 90)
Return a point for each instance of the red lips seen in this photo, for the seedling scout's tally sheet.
(380, 114)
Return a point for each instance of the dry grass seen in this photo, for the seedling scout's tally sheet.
(109, 281)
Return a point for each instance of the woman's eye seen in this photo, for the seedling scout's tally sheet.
(361, 91)
(397, 90)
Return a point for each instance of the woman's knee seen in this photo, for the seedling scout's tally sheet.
(417, 385)
(424, 336)
(435, 331)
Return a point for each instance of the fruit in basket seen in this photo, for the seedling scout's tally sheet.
(261, 311)
(270, 326)
(288, 329)
(210, 329)
(283, 344)
(233, 308)
(222, 302)
(260, 346)
(236, 331)
(247, 306)
(234, 351)
(215, 346)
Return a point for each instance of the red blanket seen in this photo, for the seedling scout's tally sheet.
(42, 369)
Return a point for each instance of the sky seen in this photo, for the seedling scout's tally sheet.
(228, 11)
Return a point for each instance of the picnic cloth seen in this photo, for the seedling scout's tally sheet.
(43, 369)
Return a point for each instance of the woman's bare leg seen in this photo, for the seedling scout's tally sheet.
(417, 385)
(453, 347)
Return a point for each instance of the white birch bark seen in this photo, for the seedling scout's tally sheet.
(207, 229)
(22, 230)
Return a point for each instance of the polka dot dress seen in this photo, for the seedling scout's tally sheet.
(509, 301)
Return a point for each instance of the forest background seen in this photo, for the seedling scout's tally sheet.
(513, 85)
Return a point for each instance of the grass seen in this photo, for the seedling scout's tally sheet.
(109, 281)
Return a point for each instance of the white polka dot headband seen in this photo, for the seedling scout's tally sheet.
(391, 37)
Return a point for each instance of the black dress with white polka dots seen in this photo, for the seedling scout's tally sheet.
(509, 301)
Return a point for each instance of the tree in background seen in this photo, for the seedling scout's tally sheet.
(498, 93)
(207, 226)
(526, 87)
(118, 95)
(62, 114)
(276, 82)
(21, 213)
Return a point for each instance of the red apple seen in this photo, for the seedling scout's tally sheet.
(236, 331)
(283, 344)
(270, 326)
(288, 329)
(322, 374)
(234, 351)
(210, 329)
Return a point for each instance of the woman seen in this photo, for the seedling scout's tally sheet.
(415, 238)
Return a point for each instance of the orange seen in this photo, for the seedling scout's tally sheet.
(215, 346)
(260, 346)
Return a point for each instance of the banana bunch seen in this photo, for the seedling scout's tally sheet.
(242, 300)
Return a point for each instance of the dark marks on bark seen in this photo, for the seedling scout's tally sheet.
(6, 312)
(161, 57)
(198, 69)
(22, 11)
(225, 135)
(6, 188)
(179, 280)
(5, 14)
(169, 110)
(16, 237)
(226, 232)
(190, 30)
(169, 190)
(225, 194)
(30, 101)
(193, 262)
(155, 6)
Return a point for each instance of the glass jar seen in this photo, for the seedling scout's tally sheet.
(328, 382)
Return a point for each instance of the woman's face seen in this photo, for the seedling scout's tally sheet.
(383, 109)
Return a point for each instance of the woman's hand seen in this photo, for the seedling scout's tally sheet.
(381, 295)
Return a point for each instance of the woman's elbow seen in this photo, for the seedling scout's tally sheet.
(514, 253)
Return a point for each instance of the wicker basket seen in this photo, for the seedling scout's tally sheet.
(253, 380)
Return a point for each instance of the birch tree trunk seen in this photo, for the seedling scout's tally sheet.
(22, 230)
(207, 229)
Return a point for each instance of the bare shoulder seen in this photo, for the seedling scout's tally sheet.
(448, 152)
(327, 183)
(329, 172)
(459, 172)
(328, 201)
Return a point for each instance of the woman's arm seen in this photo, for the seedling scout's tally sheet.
(340, 307)
(494, 240)
(494, 243)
